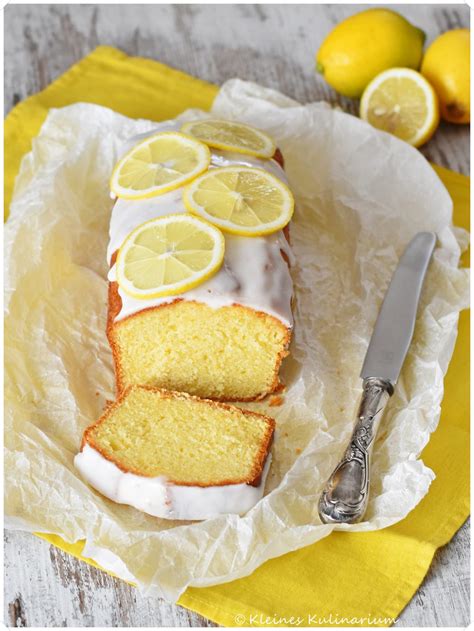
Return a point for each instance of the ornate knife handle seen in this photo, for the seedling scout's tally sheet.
(344, 499)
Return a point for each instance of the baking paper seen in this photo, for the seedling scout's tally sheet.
(361, 195)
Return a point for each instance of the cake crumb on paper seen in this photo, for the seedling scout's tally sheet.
(276, 401)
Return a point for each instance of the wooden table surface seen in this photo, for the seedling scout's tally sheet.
(273, 45)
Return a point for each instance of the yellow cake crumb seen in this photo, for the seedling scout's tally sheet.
(231, 353)
(190, 441)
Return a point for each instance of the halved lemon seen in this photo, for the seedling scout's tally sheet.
(402, 102)
(241, 200)
(159, 164)
(169, 255)
(231, 136)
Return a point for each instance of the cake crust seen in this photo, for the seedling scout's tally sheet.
(260, 459)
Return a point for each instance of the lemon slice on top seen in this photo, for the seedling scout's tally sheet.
(241, 200)
(402, 102)
(168, 256)
(232, 136)
(159, 164)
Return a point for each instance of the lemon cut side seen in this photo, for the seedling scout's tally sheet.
(168, 256)
(241, 200)
(403, 103)
(159, 164)
(232, 136)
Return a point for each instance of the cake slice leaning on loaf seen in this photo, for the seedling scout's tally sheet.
(175, 456)
(226, 338)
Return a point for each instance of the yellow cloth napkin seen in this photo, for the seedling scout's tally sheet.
(347, 579)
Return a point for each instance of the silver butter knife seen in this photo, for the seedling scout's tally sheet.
(344, 499)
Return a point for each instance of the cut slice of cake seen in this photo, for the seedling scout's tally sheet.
(175, 456)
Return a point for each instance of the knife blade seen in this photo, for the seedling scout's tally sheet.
(395, 324)
(345, 496)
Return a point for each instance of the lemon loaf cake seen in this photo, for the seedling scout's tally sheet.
(176, 456)
(226, 337)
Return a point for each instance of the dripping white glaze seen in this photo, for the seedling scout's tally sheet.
(157, 497)
(254, 273)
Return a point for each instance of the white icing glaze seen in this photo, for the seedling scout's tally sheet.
(254, 273)
(157, 497)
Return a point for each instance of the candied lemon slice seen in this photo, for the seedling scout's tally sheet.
(169, 255)
(402, 102)
(159, 164)
(231, 136)
(241, 200)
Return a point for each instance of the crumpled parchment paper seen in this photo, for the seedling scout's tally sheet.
(361, 195)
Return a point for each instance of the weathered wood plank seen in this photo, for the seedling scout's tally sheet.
(46, 588)
(443, 599)
(273, 45)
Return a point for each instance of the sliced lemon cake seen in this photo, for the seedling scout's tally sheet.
(176, 456)
(189, 310)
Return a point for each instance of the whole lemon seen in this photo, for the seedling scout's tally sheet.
(366, 43)
(446, 66)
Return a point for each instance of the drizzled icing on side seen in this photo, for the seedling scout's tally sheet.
(254, 273)
(157, 497)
